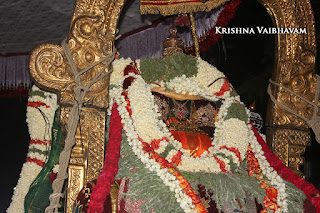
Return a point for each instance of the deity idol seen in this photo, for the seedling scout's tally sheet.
(180, 140)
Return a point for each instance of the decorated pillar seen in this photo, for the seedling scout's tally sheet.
(294, 69)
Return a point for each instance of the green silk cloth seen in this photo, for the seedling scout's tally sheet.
(37, 199)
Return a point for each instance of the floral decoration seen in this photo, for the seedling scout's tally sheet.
(41, 109)
(149, 137)
(110, 168)
(234, 139)
(309, 190)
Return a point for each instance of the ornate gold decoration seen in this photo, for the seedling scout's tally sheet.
(289, 145)
(205, 202)
(114, 197)
(204, 116)
(75, 174)
(294, 68)
(91, 38)
(87, 155)
(173, 44)
(194, 35)
(172, 7)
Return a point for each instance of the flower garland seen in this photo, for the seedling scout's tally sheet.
(147, 134)
(110, 168)
(254, 170)
(268, 173)
(310, 191)
(165, 171)
(41, 109)
(151, 129)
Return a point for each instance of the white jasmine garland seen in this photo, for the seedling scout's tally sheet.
(275, 179)
(206, 75)
(27, 176)
(118, 67)
(39, 129)
(232, 133)
(149, 127)
(144, 121)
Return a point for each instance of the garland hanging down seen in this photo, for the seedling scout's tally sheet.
(41, 109)
(153, 146)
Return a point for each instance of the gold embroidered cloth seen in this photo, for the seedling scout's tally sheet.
(170, 7)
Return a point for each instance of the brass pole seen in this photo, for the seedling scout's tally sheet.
(194, 35)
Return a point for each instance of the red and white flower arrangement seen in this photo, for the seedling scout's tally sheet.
(149, 137)
(40, 115)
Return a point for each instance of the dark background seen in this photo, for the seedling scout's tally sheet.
(247, 60)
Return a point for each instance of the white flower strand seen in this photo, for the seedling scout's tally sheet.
(144, 114)
(276, 180)
(37, 129)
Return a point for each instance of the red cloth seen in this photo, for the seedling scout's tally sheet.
(195, 143)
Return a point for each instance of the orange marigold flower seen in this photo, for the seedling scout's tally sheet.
(257, 170)
(260, 177)
(251, 173)
(264, 184)
(270, 205)
(272, 193)
(183, 182)
(200, 208)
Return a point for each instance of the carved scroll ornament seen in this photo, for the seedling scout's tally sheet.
(91, 38)
(294, 68)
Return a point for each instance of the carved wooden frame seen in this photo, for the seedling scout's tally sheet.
(294, 67)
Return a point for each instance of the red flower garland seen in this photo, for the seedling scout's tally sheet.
(155, 144)
(212, 38)
(184, 184)
(253, 167)
(234, 150)
(310, 191)
(221, 163)
(37, 141)
(176, 159)
(110, 168)
(37, 104)
(225, 87)
(36, 160)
